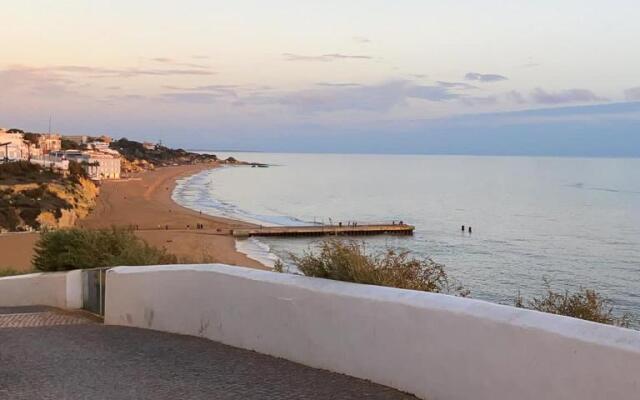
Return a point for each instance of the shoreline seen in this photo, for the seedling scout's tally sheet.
(145, 200)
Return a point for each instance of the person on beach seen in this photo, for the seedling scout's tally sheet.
(469, 230)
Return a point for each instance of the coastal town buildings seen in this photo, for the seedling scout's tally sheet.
(99, 161)
(77, 139)
(49, 142)
(21, 146)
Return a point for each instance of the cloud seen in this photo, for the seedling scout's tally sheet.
(42, 83)
(171, 61)
(100, 72)
(192, 97)
(530, 65)
(564, 96)
(432, 93)
(515, 97)
(324, 57)
(377, 97)
(536, 96)
(474, 76)
(456, 85)
(632, 94)
(331, 84)
(227, 89)
(361, 39)
(481, 100)
(201, 94)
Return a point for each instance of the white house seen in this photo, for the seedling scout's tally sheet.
(14, 147)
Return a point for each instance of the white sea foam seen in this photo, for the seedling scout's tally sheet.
(257, 250)
(194, 192)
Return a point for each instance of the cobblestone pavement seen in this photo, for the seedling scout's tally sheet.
(92, 361)
(47, 318)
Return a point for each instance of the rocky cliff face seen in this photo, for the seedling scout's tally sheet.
(57, 203)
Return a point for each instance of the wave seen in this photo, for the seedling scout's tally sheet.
(195, 192)
(257, 250)
(581, 185)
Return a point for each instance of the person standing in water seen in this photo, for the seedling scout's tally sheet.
(469, 230)
(462, 228)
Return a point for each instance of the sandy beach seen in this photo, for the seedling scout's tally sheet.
(145, 201)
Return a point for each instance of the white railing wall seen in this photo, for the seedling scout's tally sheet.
(435, 346)
(56, 289)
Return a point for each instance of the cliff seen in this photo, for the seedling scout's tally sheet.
(32, 198)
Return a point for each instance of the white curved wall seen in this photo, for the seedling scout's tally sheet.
(435, 346)
(56, 289)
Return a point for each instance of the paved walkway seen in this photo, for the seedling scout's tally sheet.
(92, 361)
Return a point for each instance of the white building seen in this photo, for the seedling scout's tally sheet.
(49, 142)
(103, 165)
(99, 165)
(100, 146)
(51, 162)
(14, 148)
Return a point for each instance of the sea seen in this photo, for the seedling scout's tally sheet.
(574, 222)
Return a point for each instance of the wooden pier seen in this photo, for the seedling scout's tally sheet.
(326, 230)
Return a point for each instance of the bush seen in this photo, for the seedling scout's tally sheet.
(348, 261)
(69, 249)
(69, 145)
(76, 171)
(585, 304)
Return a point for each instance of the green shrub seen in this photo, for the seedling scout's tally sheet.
(69, 249)
(585, 304)
(76, 171)
(348, 261)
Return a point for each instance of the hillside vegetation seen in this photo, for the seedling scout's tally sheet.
(135, 152)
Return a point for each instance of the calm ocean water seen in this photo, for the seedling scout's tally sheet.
(573, 220)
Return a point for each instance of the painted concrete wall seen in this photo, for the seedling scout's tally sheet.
(57, 289)
(435, 346)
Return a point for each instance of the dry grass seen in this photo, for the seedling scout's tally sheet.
(585, 304)
(204, 258)
(13, 272)
(348, 261)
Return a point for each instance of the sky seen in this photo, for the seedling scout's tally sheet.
(405, 76)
